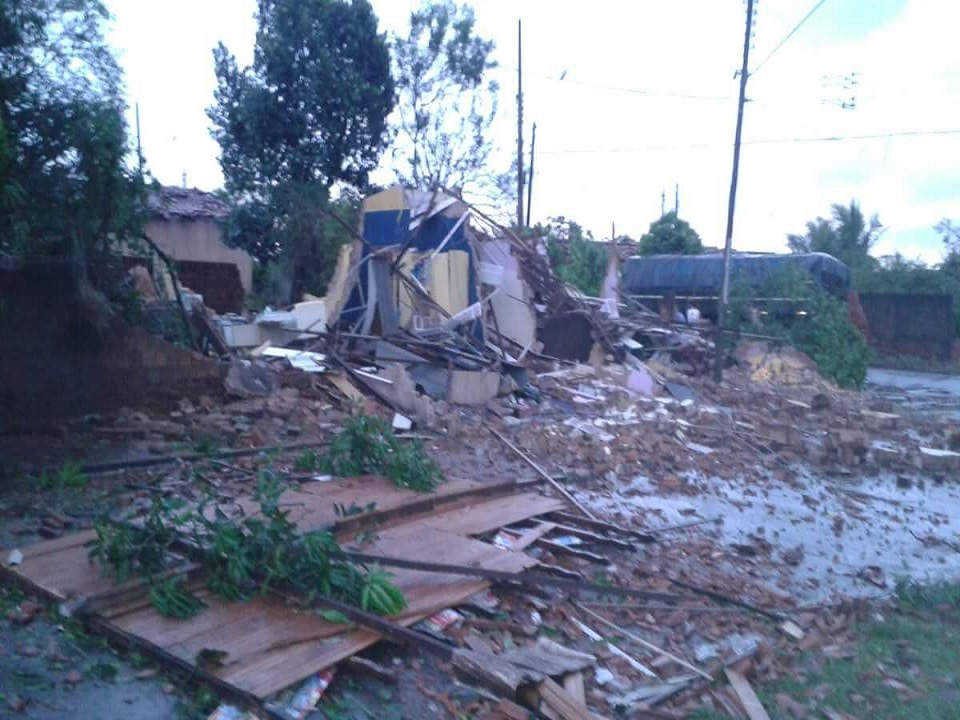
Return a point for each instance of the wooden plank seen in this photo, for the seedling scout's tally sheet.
(601, 526)
(549, 658)
(269, 644)
(493, 672)
(61, 568)
(483, 517)
(430, 504)
(531, 536)
(748, 698)
(347, 388)
(573, 684)
(312, 507)
(560, 549)
(506, 710)
(562, 703)
(58, 544)
(592, 537)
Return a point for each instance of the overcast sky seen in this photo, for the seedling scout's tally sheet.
(647, 101)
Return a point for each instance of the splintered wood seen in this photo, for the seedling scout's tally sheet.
(270, 645)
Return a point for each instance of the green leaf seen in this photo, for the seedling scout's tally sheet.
(334, 616)
(210, 658)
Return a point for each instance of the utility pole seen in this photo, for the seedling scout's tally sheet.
(676, 199)
(519, 127)
(663, 203)
(728, 240)
(533, 144)
(139, 154)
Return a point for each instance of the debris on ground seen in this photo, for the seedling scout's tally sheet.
(579, 521)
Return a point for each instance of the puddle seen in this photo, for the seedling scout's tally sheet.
(830, 529)
(925, 392)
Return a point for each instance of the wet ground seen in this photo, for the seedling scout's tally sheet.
(51, 670)
(926, 392)
(818, 536)
(800, 530)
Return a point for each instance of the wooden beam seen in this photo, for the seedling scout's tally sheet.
(532, 579)
(645, 643)
(601, 526)
(543, 473)
(564, 705)
(748, 698)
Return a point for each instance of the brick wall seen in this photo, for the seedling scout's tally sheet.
(913, 324)
(59, 359)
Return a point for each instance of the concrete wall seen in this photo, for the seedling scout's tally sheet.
(201, 241)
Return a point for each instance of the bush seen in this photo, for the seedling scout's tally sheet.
(808, 318)
(828, 336)
(576, 258)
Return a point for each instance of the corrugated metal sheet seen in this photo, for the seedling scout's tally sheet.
(703, 274)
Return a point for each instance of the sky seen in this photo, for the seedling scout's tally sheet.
(633, 98)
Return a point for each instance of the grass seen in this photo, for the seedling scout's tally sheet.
(68, 476)
(905, 667)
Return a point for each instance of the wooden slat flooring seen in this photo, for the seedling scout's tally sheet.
(272, 645)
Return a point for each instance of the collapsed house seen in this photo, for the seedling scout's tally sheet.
(434, 285)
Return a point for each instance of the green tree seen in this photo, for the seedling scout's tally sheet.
(670, 236)
(951, 242)
(847, 235)
(310, 112)
(64, 185)
(272, 278)
(576, 257)
(446, 100)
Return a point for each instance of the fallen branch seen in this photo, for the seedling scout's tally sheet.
(176, 290)
(528, 578)
(934, 540)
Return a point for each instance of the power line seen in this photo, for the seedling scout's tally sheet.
(767, 141)
(642, 91)
(566, 79)
(788, 36)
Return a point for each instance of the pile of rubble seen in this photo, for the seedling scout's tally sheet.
(435, 304)
(675, 562)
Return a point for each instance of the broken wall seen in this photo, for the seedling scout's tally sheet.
(59, 358)
(199, 240)
(513, 304)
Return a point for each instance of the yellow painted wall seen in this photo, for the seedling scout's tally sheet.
(200, 241)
